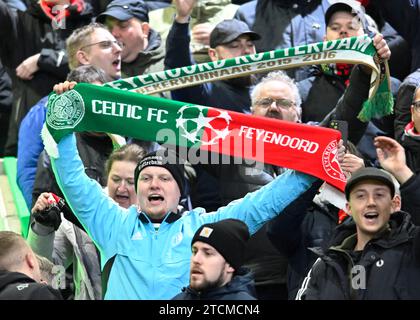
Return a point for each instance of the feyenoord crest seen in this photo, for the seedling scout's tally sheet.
(65, 110)
(330, 162)
(192, 123)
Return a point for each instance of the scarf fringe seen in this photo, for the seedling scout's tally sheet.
(380, 105)
(49, 143)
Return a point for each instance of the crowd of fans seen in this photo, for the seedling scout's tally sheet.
(125, 218)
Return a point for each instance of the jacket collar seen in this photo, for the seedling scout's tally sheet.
(170, 217)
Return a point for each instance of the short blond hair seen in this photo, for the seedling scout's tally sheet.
(13, 249)
(78, 39)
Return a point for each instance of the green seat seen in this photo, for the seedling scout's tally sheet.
(10, 165)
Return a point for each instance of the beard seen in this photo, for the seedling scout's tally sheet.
(206, 285)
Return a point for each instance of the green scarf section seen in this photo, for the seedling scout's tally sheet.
(66, 112)
(356, 50)
(114, 109)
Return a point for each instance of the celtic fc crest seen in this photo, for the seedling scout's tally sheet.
(66, 110)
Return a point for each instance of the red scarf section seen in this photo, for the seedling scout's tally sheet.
(411, 131)
(302, 147)
(364, 3)
(75, 6)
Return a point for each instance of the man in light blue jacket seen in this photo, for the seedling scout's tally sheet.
(150, 245)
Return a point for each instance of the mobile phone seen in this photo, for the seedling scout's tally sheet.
(341, 126)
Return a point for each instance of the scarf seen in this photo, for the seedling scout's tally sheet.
(53, 11)
(204, 129)
(349, 50)
(411, 131)
(341, 70)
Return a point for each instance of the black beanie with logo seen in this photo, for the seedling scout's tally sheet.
(228, 237)
(164, 158)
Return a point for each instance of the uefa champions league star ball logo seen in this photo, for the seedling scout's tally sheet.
(193, 123)
(65, 110)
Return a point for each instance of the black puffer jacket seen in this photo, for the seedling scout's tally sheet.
(241, 287)
(388, 267)
(18, 286)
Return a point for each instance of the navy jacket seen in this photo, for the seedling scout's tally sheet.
(241, 287)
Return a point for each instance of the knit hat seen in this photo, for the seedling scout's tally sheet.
(228, 237)
(369, 173)
(164, 158)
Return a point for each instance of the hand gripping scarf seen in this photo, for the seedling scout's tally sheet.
(113, 109)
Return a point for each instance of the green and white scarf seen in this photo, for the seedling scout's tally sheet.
(113, 109)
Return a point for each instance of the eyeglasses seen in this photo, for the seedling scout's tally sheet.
(416, 106)
(283, 103)
(106, 44)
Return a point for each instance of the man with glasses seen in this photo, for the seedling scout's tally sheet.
(95, 45)
(277, 96)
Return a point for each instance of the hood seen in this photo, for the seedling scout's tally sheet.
(243, 281)
(7, 278)
(148, 61)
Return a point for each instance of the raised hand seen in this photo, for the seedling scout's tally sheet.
(183, 10)
(391, 156)
(381, 47)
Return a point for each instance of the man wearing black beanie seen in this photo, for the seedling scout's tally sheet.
(218, 252)
(146, 249)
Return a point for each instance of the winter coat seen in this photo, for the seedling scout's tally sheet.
(241, 287)
(30, 147)
(94, 152)
(387, 268)
(404, 16)
(211, 12)
(18, 286)
(150, 264)
(70, 245)
(24, 34)
(148, 61)
(284, 24)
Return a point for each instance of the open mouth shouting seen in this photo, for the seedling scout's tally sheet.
(155, 199)
(117, 64)
(371, 217)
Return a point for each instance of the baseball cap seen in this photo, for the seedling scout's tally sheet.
(124, 10)
(350, 6)
(369, 173)
(229, 30)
